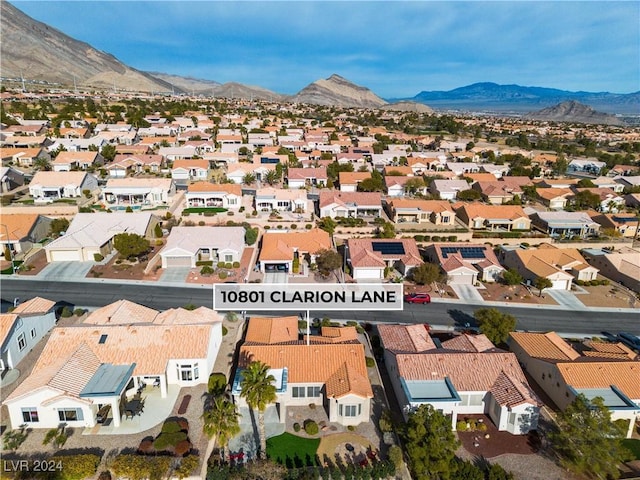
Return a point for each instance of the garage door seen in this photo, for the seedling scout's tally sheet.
(177, 261)
(461, 279)
(65, 256)
(560, 284)
(361, 273)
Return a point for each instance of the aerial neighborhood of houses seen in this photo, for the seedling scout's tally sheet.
(193, 193)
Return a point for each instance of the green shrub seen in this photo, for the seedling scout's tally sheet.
(296, 427)
(49, 436)
(166, 440)
(66, 312)
(224, 330)
(605, 282)
(427, 238)
(201, 223)
(308, 226)
(12, 439)
(395, 455)
(202, 263)
(435, 238)
(76, 467)
(293, 226)
(78, 312)
(351, 428)
(461, 426)
(279, 227)
(222, 275)
(139, 467)
(452, 238)
(206, 270)
(171, 426)
(187, 465)
(236, 264)
(267, 227)
(385, 423)
(217, 383)
(418, 238)
(370, 362)
(311, 427)
(98, 257)
(295, 265)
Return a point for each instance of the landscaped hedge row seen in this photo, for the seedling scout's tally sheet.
(435, 238)
(592, 283)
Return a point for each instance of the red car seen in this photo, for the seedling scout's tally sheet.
(417, 298)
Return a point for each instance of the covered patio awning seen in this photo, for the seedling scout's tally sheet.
(108, 381)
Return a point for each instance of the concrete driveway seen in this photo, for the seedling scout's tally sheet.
(175, 275)
(247, 440)
(275, 277)
(565, 298)
(468, 293)
(65, 270)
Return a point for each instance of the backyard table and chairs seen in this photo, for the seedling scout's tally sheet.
(134, 407)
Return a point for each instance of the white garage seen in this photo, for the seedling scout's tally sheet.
(64, 255)
(368, 273)
(176, 261)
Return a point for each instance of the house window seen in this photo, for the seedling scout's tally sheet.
(188, 373)
(70, 415)
(512, 419)
(30, 414)
(352, 410)
(445, 219)
(33, 333)
(228, 258)
(313, 391)
(298, 392)
(232, 201)
(22, 341)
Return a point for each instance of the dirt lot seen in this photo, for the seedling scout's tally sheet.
(606, 296)
(496, 292)
(447, 291)
(36, 263)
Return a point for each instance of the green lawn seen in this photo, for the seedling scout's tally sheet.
(204, 210)
(633, 445)
(292, 451)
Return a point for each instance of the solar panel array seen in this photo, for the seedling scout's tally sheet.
(388, 248)
(465, 252)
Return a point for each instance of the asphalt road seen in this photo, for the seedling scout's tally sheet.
(453, 314)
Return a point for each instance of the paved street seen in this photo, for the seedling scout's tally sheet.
(441, 312)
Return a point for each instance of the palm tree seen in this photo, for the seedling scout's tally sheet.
(258, 389)
(248, 179)
(42, 163)
(272, 177)
(221, 422)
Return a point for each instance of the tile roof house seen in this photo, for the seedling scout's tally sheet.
(124, 192)
(349, 180)
(279, 249)
(625, 224)
(67, 161)
(188, 245)
(497, 192)
(606, 370)
(349, 204)
(621, 265)
(495, 218)
(465, 375)
(369, 257)
(560, 265)
(125, 163)
(448, 189)
(327, 373)
(190, 170)
(50, 186)
(397, 185)
(221, 195)
(554, 198)
(92, 233)
(565, 224)
(268, 199)
(23, 328)
(237, 171)
(21, 230)
(610, 201)
(437, 212)
(85, 367)
(463, 262)
(302, 177)
(24, 157)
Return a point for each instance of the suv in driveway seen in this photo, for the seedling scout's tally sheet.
(417, 298)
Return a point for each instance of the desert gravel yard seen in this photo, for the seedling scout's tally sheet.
(606, 296)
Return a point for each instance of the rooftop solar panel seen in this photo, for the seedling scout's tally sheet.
(388, 248)
(465, 252)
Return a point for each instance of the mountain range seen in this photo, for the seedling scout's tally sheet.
(35, 51)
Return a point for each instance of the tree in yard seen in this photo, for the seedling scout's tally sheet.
(495, 324)
(108, 152)
(258, 389)
(586, 199)
(221, 421)
(560, 165)
(42, 163)
(327, 224)
(541, 283)
(430, 444)
(512, 277)
(157, 231)
(426, 273)
(469, 195)
(57, 226)
(328, 261)
(250, 235)
(585, 183)
(413, 185)
(272, 177)
(248, 179)
(130, 244)
(386, 230)
(587, 441)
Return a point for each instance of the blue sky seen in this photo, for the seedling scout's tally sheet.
(395, 48)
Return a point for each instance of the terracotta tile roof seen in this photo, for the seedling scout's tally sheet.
(470, 372)
(304, 173)
(17, 224)
(207, 187)
(547, 259)
(405, 338)
(498, 188)
(547, 346)
(481, 177)
(437, 206)
(511, 392)
(616, 350)
(34, 306)
(150, 347)
(72, 157)
(57, 179)
(195, 163)
(6, 322)
(340, 366)
(328, 197)
(77, 371)
(124, 312)
(624, 375)
(334, 335)
(469, 343)
(551, 193)
(405, 171)
(509, 212)
(279, 246)
(361, 253)
(270, 331)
